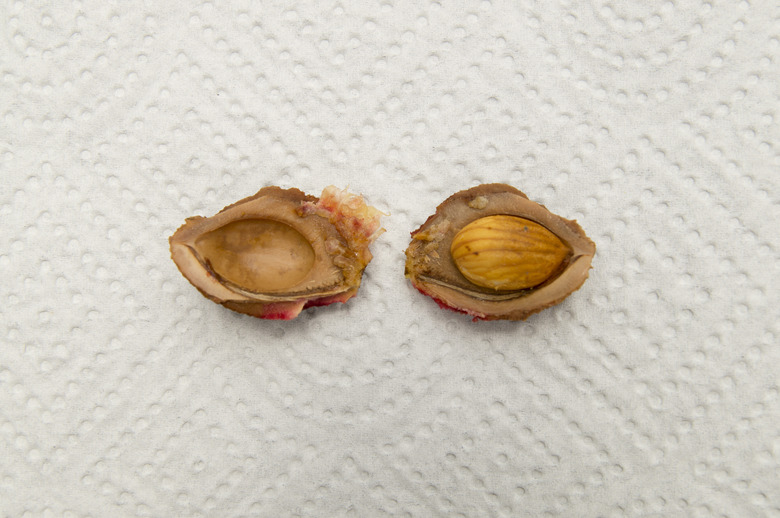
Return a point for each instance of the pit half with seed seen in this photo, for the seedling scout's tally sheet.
(494, 254)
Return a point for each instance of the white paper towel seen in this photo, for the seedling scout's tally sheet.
(652, 391)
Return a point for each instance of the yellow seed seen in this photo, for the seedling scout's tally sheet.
(507, 252)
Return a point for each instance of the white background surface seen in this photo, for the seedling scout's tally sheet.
(652, 391)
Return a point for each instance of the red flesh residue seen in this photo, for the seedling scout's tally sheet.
(287, 313)
(444, 305)
(279, 316)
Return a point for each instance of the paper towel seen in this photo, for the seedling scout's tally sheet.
(652, 391)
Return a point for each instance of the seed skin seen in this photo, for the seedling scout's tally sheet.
(507, 252)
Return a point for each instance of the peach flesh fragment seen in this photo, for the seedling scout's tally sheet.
(260, 255)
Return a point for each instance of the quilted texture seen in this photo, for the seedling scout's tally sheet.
(652, 391)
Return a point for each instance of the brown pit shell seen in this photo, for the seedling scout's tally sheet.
(494, 254)
(280, 251)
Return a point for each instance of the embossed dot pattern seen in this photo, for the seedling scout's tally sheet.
(652, 391)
